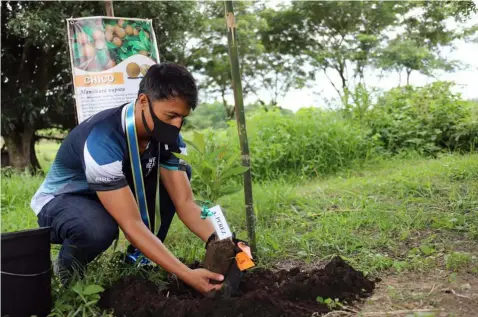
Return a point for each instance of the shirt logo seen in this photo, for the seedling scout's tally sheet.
(104, 179)
(149, 166)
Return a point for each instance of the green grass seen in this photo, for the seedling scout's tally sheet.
(394, 215)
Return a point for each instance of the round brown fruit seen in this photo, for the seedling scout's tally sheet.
(117, 41)
(100, 44)
(145, 53)
(109, 36)
(98, 35)
(147, 34)
(120, 32)
(109, 27)
(132, 69)
(144, 69)
(89, 50)
(82, 38)
(135, 32)
(129, 30)
(111, 63)
(120, 22)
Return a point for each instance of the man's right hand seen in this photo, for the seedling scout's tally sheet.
(199, 280)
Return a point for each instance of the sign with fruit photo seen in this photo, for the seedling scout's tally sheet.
(109, 56)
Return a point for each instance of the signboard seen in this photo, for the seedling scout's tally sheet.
(109, 56)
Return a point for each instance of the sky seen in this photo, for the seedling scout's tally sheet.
(322, 91)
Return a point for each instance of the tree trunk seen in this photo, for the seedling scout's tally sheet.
(409, 71)
(19, 146)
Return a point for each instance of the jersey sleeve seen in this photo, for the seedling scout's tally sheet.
(103, 155)
(167, 158)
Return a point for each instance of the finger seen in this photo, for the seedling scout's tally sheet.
(217, 287)
(214, 276)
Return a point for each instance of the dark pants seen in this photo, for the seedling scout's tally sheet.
(85, 229)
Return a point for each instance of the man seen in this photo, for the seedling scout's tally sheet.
(93, 181)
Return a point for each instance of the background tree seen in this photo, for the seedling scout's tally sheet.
(425, 34)
(210, 57)
(36, 75)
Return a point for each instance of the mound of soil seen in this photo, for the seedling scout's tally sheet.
(262, 293)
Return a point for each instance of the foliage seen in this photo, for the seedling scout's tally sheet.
(207, 116)
(79, 300)
(214, 166)
(309, 143)
(426, 119)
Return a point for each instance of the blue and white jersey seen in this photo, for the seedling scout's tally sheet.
(95, 157)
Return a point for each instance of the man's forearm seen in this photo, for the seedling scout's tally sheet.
(190, 215)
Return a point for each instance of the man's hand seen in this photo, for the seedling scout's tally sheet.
(199, 280)
(121, 205)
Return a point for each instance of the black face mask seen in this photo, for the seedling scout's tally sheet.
(162, 132)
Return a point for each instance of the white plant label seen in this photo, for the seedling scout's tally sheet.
(220, 223)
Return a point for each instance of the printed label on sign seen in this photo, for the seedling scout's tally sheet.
(220, 224)
(244, 262)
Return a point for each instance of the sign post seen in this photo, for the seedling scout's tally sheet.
(109, 56)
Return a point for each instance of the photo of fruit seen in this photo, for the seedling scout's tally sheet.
(99, 44)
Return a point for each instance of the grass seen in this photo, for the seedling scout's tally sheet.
(400, 215)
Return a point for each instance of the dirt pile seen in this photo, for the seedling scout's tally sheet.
(262, 293)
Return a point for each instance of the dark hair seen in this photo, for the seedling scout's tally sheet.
(166, 80)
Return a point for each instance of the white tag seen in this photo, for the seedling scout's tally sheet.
(219, 222)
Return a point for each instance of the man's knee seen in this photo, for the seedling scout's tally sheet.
(96, 237)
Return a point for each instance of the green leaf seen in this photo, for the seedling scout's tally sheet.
(320, 299)
(111, 46)
(93, 289)
(138, 45)
(328, 301)
(233, 159)
(427, 250)
(146, 26)
(77, 289)
(144, 40)
(234, 171)
(198, 139)
(132, 38)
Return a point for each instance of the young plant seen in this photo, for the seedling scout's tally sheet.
(214, 168)
(331, 303)
(80, 301)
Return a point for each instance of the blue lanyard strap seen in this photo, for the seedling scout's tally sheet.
(137, 171)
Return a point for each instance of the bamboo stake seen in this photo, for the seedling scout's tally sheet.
(241, 122)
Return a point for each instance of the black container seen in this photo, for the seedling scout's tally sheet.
(26, 273)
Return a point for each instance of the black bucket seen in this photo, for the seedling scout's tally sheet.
(26, 273)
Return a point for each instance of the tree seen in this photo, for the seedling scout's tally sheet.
(37, 84)
(209, 56)
(418, 47)
(341, 37)
(36, 81)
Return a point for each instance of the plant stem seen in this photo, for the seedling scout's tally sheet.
(241, 122)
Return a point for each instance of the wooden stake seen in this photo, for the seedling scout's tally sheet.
(109, 8)
(241, 122)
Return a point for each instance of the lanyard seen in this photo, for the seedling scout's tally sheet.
(137, 172)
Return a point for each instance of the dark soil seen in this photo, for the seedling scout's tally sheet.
(262, 293)
(219, 256)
